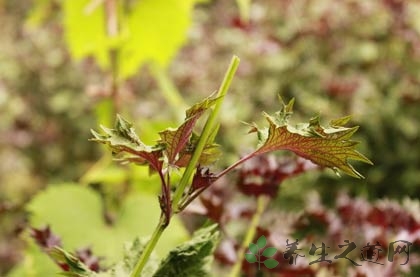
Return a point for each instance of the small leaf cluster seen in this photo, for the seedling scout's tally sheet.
(173, 150)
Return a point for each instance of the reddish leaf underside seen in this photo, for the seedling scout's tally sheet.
(175, 140)
(123, 140)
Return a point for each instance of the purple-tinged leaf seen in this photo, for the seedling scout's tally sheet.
(175, 140)
(328, 147)
(45, 238)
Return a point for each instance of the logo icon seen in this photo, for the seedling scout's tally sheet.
(255, 255)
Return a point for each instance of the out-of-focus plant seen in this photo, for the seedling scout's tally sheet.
(361, 55)
(123, 36)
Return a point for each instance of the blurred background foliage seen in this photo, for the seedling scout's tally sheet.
(67, 66)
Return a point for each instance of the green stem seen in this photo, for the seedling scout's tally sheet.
(262, 202)
(98, 166)
(168, 89)
(149, 248)
(112, 32)
(207, 132)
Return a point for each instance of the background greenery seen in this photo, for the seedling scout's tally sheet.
(63, 70)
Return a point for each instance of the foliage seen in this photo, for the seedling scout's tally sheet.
(329, 147)
(125, 28)
(188, 259)
(161, 158)
(193, 257)
(82, 208)
(335, 57)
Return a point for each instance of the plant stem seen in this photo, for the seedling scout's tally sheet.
(187, 200)
(111, 17)
(168, 89)
(99, 165)
(262, 202)
(206, 133)
(149, 248)
(232, 166)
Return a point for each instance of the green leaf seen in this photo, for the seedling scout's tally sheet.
(328, 147)
(269, 251)
(93, 41)
(34, 263)
(250, 257)
(253, 248)
(149, 31)
(271, 263)
(155, 29)
(261, 242)
(75, 214)
(193, 257)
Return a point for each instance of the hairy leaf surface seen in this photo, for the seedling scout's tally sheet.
(193, 257)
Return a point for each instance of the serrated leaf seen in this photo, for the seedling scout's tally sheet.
(328, 147)
(124, 140)
(175, 140)
(45, 238)
(250, 257)
(193, 257)
(271, 263)
(202, 178)
(175, 146)
(261, 242)
(269, 251)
